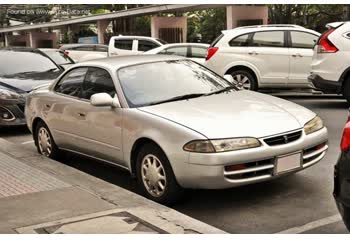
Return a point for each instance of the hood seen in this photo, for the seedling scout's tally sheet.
(25, 82)
(235, 114)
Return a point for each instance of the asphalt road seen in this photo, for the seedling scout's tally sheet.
(298, 203)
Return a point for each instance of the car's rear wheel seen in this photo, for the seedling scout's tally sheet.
(155, 176)
(346, 89)
(243, 79)
(44, 141)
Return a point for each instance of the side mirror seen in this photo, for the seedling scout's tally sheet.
(229, 78)
(104, 100)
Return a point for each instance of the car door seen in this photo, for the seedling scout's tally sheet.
(300, 54)
(66, 111)
(269, 53)
(103, 124)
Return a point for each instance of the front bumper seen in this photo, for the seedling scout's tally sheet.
(341, 191)
(208, 170)
(12, 113)
(326, 86)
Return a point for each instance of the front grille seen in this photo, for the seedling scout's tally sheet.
(283, 139)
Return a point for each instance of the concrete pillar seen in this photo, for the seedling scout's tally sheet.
(31, 41)
(236, 13)
(101, 29)
(71, 29)
(6, 40)
(169, 22)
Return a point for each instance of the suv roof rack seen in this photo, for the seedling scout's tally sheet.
(272, 25)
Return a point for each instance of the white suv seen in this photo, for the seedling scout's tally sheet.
(265, 56)
(330, 68)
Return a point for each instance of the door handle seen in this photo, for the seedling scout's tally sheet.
(297, 55)
(252, 53)
(47, 105)
(82, 114)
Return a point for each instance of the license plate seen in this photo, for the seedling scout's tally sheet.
(287, 163)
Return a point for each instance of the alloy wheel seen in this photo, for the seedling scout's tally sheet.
(44, 142)
(153, 175)
(242, 81)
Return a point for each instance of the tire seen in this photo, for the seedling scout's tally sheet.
(240, 77)
(346, 89)
(345, 213)
(44, 142)
(148, 179)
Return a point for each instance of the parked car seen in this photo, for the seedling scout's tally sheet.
(342, 177)
(21, 70)
(83, 52)
(194, 51)
(330, 68)
(126, 45)
(173, 124)
(58, 56)
(265, 56)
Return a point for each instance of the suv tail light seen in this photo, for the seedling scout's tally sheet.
(325, 45)
(211, 52)
(345, 140)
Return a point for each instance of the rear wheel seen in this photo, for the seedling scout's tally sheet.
(155, 176)
(243, 79)
(44, 141)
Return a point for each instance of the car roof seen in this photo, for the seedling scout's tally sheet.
(271, 27)
(127, 60)
(20, 49)
(82, 44)
(185, 44)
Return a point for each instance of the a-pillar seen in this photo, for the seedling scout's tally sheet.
(101, 29)
(236, 14)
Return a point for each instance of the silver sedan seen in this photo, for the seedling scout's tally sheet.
(173, 124)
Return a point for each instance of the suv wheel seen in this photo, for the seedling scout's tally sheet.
(244, 80)
(44, 141)
(155, 176)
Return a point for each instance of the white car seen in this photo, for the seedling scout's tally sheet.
(130, 45)
(84, 52)
(194, 51)
(330, 69)
(265, 56)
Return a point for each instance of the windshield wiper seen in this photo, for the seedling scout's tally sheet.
(178, 98)
(226, 89)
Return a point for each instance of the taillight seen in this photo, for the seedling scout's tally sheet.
(345, 140)
(211, 52)
(325, 45)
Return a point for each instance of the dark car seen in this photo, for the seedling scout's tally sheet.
(21, 70)
(342, 177)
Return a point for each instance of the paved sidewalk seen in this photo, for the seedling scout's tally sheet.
(40, 195)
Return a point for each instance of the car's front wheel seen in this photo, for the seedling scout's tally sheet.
(44, 141)
(244, 80)
(155, 176)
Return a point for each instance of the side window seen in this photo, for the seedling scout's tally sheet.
(198, 52)
(303, 40)
(268, 39)
(145, 45)
(71, 84)
(178, 51)
(97, 81)
(101, 49)
(239, 41)
(85, 48)
(125, 44)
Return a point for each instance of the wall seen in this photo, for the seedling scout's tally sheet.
(168, 22)
(235, 13)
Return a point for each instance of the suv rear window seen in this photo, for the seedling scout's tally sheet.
(268, 39)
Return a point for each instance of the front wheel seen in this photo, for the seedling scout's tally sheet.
(155, 176)
(244, 80)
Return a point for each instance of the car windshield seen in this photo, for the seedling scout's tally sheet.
(59, 57)
(158, 82)
(15, 62)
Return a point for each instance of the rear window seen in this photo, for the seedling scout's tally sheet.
(216, 40)
(124, 44)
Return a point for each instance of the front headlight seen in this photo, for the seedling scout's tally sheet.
(221, 145)
(8, 95)
(313, 125)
